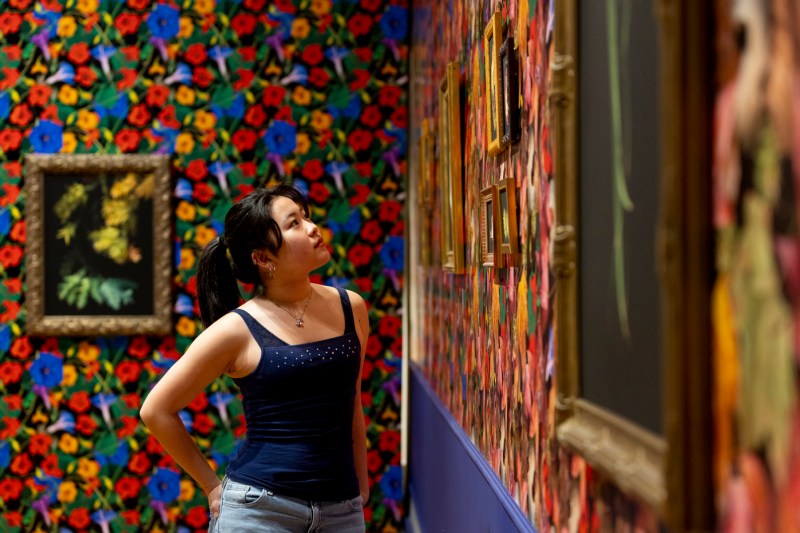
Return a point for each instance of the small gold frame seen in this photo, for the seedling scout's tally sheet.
(492, 40)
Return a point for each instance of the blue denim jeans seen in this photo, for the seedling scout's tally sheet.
(248, 509)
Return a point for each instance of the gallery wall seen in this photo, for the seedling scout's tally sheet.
(485, 338)
(239, 94)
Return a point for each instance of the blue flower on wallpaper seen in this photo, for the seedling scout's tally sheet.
(4, 105)
(392, 253)
(184, 305)
(117, 108)
(394, 23)
(47, 370)
(165, 485)
(46, 137)
(5, 455)
(164, 21)
(119, 457)
(281, 138)
(182, 74)
(5, 338)
(391, 483)
(5, 221)
(183, 189)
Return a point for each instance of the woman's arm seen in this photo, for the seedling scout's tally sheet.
(359, 429)
(209, 356)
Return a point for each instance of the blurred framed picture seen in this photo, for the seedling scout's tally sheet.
(509, 89)
(507, 218)
(450, 170)
(492, 37)
(489, 218)
(99, 245)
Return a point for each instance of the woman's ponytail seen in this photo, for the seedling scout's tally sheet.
(217, 290)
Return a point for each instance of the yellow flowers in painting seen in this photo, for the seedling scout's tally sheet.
(111, 232)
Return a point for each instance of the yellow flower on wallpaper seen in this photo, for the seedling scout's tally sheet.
(88, 352)
(320, 120)
(300, 28)
(87, 120)
(204, 7)
(67, 443)
(187, 490)
(69, 376)
(88, 468)
(66, 27)
(69, 143)
(185, 95)
(204, 235)
(124, 186)
(303, 144)
(187, 259)
(184, 143)
(186, 28)
(185, 211)
(204, 120)
(301, 96)
(186, 327)
(67, 95)
(87, 7)
(320, 7)
(67, 491)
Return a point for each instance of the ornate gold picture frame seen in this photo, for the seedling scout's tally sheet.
(450, 170)
(492, 39)
(99, 245)
(489, 217)
(670, 472)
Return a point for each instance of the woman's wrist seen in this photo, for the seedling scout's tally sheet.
(207, 488)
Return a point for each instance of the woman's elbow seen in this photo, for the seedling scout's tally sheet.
(148, 412)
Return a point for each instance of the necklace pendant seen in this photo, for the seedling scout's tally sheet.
(299, 323)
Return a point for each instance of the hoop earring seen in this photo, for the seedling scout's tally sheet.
(270, 270)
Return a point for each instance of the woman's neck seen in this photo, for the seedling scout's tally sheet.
(288, 293)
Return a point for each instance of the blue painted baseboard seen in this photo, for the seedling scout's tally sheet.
(451, 484)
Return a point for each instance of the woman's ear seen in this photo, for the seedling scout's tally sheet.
(260, 258)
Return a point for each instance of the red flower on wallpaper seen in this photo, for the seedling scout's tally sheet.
(21, 115)
(139, 116)
(313, 170)
(78, 54)
(255, 116)
(85, 76)
(243, 24)
(312, 54)
(318, 192)
(196, 54)
(79, 402)
(10, 140)
(360, 140)
(127, 23)
(360, 24)
(389, 95)
(273, 95)
(318, 77)
(10, 372)
(79, 518)
(39, 95)
(203, 193)
(10, 255)
(10, 489)
(128, 487)
(360, 254)
(10, 23)
(128, 140)
(244, 140)
(371, 231)
(389, 211)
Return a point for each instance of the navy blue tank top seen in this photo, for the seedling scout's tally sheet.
(298, 406)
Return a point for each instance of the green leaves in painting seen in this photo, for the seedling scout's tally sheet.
(77, 288)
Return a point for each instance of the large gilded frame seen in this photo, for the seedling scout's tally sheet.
(669, 472)
(37, 168)
(450, 170)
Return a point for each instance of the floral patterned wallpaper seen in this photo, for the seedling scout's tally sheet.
(241, 93)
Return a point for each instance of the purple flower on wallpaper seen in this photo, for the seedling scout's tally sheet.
(103, 53)
(164, 21)
(104, 402)
(103, 518)
(219, 54)
(183, 189)
(182, 74)
(336, 170)
(336, 54)
(184, 305)
(220, 171)
(165, 485)
(65, 422)
(64, 74)
(281, 138)
(299, 74)
(42, 41)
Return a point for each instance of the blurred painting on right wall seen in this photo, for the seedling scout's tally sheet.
(756, 298)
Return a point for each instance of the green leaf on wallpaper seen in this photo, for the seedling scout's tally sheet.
(340, 96)
(107, 445)
(106, 96)
(224, 443)
(224, 96)
(340, 212)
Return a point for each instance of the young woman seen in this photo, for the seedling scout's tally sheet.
(295, 350)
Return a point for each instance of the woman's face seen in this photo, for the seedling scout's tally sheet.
(303, 248)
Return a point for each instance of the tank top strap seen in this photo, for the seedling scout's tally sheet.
(262, 335)
(349, 322)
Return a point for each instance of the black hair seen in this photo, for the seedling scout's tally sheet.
(249, 226)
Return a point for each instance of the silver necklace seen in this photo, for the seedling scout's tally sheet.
(298, 320)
